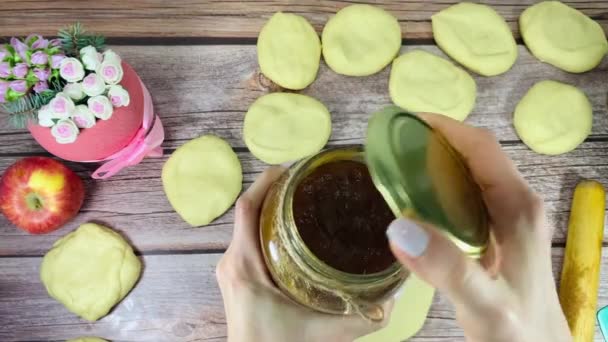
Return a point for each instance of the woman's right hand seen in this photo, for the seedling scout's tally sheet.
(510, 294)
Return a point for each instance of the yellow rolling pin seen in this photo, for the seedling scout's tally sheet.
(580, 274)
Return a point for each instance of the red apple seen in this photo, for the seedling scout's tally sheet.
(40, 194)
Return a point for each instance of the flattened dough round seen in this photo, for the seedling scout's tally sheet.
(289, 51)
(90, 270)
(360, 40)
(87, 339)
(284, 127)
(475, 36)
(202, 179)
(562, 36)
(423, 82)
(553, 117)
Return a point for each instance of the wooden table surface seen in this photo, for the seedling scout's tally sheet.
(198, 59)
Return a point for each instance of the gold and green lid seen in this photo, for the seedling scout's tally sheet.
(420, 175)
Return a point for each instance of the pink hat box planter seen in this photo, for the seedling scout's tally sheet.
(81, 104)
(107, 137)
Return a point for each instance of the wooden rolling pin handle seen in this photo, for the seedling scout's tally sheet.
(580, 273)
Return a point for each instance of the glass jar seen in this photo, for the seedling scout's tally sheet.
(418, 174)
(298, 272)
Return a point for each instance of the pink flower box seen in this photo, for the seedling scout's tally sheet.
(107, 137)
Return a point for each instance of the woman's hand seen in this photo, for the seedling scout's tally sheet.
(510, 294)
(255, 309)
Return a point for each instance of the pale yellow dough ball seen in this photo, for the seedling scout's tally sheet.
(360, 40)
(553, 118)
(90, 270)
(87, 339)
(202, 179)
(562, 36)
(289, 51)
(475, 36)
(423, 82)
(284, 127)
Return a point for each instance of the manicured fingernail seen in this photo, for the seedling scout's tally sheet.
(408, 236)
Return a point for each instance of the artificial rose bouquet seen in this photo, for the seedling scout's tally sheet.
(68, 88)
(91, 92)
(80, 101)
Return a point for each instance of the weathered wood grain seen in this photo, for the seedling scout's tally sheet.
(177, 299)
(228, 19)
(207, 89)
(134, 203)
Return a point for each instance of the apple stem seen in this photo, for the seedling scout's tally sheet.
(33, 201)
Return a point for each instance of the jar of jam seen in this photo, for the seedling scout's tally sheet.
(323, 223)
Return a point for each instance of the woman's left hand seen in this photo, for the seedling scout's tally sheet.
(256, 310)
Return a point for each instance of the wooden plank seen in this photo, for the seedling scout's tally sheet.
(206, 18)
(177, 299)
(134, 203)
(207, 89)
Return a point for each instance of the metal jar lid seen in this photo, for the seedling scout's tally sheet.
(421, 176)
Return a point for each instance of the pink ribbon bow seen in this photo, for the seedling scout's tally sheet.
(146, 143)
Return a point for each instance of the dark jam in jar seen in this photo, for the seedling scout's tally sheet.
(342, 218)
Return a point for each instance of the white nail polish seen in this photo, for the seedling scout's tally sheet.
(408, 236)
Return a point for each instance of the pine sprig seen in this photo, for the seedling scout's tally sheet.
(74, 37)
(25, 109)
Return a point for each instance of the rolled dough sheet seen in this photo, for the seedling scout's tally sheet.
(90, 270)
(289, 51)
(360, 40)
(423, 82)
(553, 117)
(563, 36)
(476, 37)
(202, 179)
(409, 313)
(284, 127)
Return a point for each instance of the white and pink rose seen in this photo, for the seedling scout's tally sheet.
(93, 85)
(101, 107)
(71, 70)
(90, 58)
(74, 91)
(111, 72)
(111, 56)
(119, 96)
(83, 117)
(65, 131)
(45, 116)
(61, 106)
